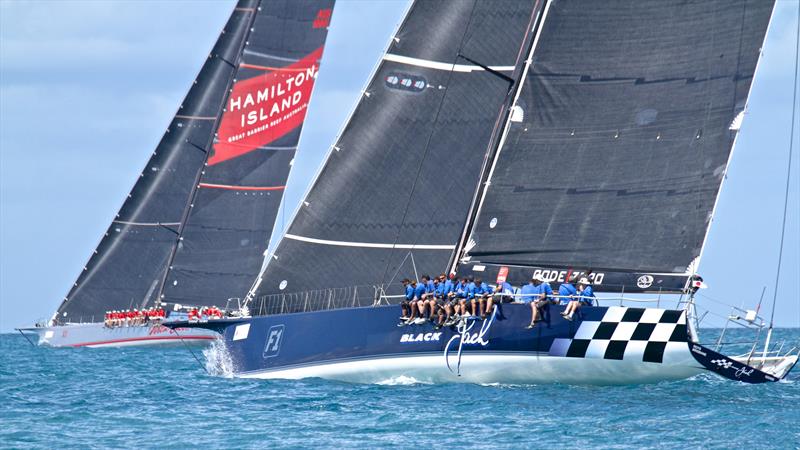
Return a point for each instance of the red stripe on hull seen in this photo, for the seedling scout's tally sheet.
(148, 338)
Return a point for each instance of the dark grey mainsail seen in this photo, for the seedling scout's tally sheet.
(395, 189)
(234, 209)
(129, 265)
(623, 131)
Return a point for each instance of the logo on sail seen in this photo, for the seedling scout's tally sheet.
(266, 107)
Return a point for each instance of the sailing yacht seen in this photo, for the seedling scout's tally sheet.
(196, 223)
(508, 139)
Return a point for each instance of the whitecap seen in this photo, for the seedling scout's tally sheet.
(401, 380)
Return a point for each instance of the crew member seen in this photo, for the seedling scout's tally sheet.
(566, 292)
(585, 298)
(481, 298)
(420, 289)
(540, 299)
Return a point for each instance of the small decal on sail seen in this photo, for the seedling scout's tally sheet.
(406, 82)
(323, 19)
(517, 114)
(737, 121)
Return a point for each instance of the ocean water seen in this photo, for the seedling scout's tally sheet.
(138, 397)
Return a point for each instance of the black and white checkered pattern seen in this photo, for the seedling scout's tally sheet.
(640, 334)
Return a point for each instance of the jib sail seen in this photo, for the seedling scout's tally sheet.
(620, 141)
(234, 208)
(394, 191)
(127, 268)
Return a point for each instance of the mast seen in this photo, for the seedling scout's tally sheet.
(496, 144)
(206, 149)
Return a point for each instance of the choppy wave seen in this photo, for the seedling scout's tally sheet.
(145, 397)
(402, 380)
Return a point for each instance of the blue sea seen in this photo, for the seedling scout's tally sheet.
(139, 397)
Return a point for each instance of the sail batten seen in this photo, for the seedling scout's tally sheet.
(625, 137)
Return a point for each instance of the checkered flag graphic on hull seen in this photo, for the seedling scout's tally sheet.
(640, 334)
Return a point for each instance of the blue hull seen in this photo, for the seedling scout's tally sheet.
(607, 345)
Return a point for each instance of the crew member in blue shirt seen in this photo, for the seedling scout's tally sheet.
(419, 298)
(585, 298)
(445, 305)
(407, 303)
(459, 297)
(540, 302)
(566, 292)
(430, 287)
(471, 290)
(428, 297)
(481, 298)
(507, 290)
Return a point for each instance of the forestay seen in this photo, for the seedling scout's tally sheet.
(238, 197)
(620, 140)
(394, 191)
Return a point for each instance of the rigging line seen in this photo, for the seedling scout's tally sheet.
(430, 135)
(788, 170)
(26, 337)
(203, 366)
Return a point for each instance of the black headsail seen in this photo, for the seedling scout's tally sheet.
(393, 193)
(619, 142)
(234, 209)
(128, 266)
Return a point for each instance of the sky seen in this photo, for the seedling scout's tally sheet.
(87, 89)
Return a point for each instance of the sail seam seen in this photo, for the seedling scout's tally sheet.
(368, 244)
(441, 65)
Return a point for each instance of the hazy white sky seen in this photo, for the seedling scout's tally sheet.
(88, 87)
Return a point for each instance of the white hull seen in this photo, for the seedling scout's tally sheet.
(96, 335)
(491, 368)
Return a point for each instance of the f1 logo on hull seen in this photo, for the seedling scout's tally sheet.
(274, 340)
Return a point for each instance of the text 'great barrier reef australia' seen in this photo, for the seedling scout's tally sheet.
(266, 107)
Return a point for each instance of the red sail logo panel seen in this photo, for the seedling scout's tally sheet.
(265, 108)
